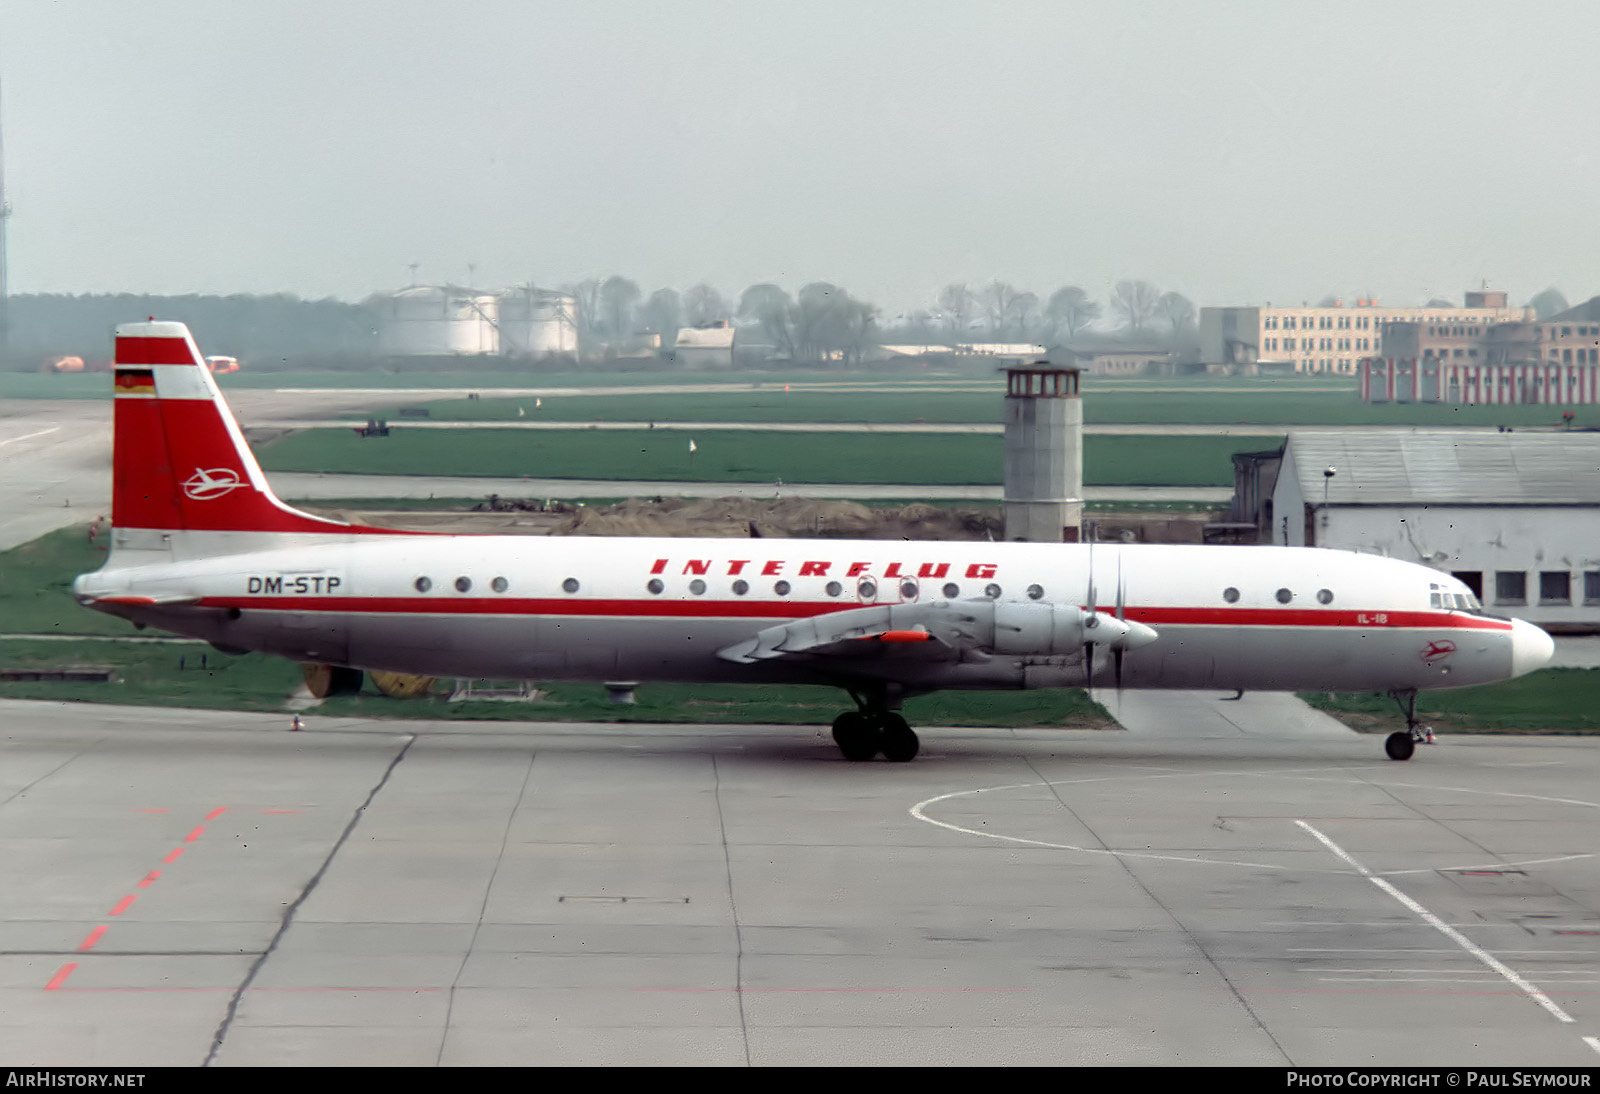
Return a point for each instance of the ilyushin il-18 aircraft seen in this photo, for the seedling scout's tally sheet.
(202, 547)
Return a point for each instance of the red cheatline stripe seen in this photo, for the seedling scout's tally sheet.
(124, 904)
(61, 976)
(153, 351)
(94, 936)
(767, 609)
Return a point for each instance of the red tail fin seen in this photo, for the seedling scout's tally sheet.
(179, 460)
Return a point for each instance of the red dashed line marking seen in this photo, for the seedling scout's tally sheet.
(126, 902)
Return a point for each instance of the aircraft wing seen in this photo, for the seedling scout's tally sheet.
(964, 630)
(939, 629)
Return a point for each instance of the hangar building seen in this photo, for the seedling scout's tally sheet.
(1516, 516)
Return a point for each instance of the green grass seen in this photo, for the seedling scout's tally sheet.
(39, 385)
(1217, 406)
(147, 673)
(36, 586)
(1549, 701)
(485, 378)
(916, 459)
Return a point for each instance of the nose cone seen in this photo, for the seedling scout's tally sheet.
(1531, 648)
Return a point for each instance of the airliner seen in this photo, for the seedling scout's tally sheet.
(202, 547)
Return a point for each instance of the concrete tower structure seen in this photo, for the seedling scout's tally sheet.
(1044, 453)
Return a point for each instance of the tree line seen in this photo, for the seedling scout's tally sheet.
(822, 323)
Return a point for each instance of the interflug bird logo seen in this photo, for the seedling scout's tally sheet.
(1437, 651)
(211, 483)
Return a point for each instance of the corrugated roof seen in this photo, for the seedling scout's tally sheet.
(1386, 467)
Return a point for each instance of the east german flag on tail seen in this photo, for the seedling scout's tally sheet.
(135, 381)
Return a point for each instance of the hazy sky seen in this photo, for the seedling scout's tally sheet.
(1238, 152)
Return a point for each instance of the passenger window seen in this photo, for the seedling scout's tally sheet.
(781, 588)
(741, 587)
(570, 585)
(1035, 592)
(655, 585)
(951, 591)
(1231, 595)
(499, 584)
(423, 584)
(1284, 596)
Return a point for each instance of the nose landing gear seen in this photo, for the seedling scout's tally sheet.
(1401, 744)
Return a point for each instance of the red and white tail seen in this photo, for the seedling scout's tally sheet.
(179, 461)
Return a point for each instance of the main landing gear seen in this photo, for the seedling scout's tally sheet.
(873, 729)
(1402, 743)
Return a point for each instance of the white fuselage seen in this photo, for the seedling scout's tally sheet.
(581, 608)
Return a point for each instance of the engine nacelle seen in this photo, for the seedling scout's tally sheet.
(1039, 628)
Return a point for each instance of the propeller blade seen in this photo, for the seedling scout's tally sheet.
(1121, 591)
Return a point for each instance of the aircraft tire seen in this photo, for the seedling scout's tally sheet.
(1400, 745)
(856, 736)
(900, 743)
(327, 681)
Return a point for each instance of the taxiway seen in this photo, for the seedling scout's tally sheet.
(187, 888)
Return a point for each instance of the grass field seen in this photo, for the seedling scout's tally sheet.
(917, 459)
(150, 673)
(36, 586)
(1219, 406)
(1550, 701)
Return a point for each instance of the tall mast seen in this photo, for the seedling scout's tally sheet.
(5, 279)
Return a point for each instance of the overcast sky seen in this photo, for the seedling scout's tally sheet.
(1238, 152)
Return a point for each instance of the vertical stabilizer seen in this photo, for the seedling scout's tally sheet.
(179, 461)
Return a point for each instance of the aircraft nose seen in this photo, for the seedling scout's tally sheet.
(1531, 648)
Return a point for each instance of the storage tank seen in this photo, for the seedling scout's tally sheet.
(428, 321)
(538, 323)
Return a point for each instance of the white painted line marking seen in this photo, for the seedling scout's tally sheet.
(1444, 928)
(1417, 949)
(1592, 1042)
(30, 436)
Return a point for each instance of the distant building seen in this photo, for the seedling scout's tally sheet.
(1329, 339)
(1554, 361)
(1119, 360)
(709, 347)
(1515, 516)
